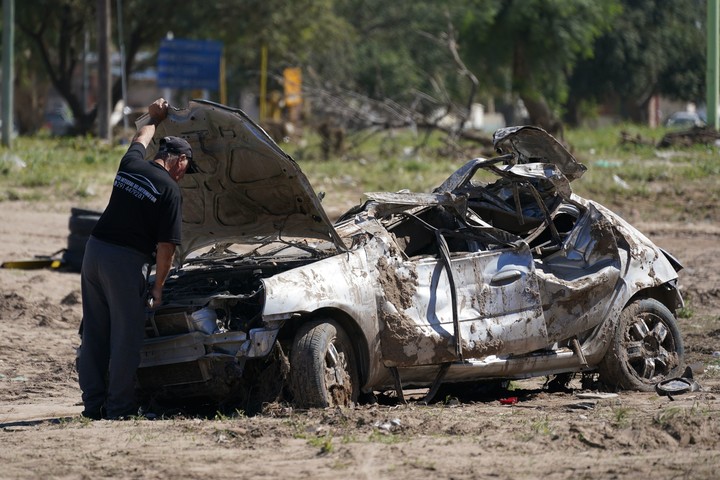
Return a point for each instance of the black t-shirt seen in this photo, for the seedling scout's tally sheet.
(145, 205)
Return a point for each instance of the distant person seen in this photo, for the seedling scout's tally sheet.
(143, 218)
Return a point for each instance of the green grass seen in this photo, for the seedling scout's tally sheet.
(621, 417)
(323, 442)
(680, 183)
(44, 168)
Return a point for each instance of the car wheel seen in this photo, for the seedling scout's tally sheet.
(82, 224)
(646, 348)
(323, 367)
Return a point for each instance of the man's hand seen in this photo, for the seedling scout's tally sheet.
(158, 110)
(163, 262)
(155, 297)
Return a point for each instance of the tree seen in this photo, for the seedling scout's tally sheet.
(56, 30)
(394, 64)
(655, 47)
(529, 47)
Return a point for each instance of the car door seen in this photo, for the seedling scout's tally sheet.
(465, 305)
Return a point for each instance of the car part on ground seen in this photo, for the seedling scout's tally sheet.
(40, 261)
(475, 281)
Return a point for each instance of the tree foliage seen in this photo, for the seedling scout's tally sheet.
(414, 55)
(54, 34)
(530, 46)
(55, 31)
(654, 47)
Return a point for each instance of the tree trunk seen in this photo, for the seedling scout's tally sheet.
(540, 112)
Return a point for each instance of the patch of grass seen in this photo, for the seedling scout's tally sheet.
(541, 427)
(644, 171)
(227, 415)
(384, 438)
(685, 312)
(712, 369)
(298, 427)
(323, 442)
(621, 417)
(41, 168)
(347, 438)
(668, 414)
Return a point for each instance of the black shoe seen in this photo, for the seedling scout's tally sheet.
(95, 414)
(92, 414)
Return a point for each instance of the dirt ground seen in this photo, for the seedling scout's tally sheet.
(544, 435)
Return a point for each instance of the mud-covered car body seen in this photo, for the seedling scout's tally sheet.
(512, 278)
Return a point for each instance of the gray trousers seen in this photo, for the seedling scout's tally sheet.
(113, 288)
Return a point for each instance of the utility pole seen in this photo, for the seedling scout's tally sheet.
(263, 82)
(713, 63)
(123, 77)
(8, 75)
(103, 98)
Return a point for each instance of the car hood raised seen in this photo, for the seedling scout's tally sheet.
(247, 188)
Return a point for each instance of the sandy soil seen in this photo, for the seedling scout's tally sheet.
(551, 435)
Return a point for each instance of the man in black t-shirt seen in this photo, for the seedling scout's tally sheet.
(143, 217)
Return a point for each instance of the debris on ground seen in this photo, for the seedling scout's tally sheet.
(688, 138)
(677, 386)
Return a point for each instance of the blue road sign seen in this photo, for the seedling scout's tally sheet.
(193, 64)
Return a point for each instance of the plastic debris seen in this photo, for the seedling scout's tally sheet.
(620, 182)
(581, 406)
(596, 395)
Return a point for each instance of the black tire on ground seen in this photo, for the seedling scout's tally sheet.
(323, 366)
(77, 242)
(73, 256)
(646, 348)
(82, 224)
(76, 212)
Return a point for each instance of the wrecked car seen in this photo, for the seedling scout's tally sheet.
(501, 272)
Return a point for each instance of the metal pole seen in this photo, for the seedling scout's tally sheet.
(263, 82)
(85, 72)
(123, 76)
(713, 63)
(103, 98)
(8, 74)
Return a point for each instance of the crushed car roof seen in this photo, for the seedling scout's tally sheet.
(535, 145)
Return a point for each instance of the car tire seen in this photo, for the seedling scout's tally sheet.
(82, 224)
(323, 367)
(646, 348)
